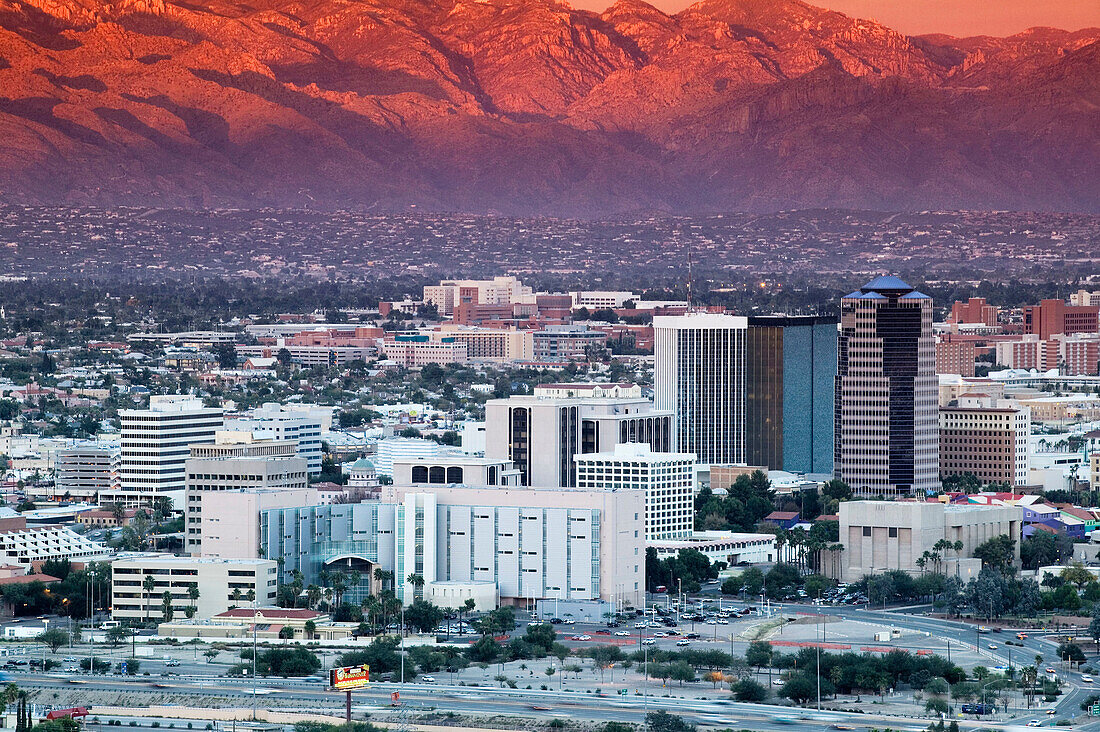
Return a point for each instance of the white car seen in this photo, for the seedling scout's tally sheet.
(428, 679)
(683, 643)
(649, 642)
(640, 624)
(992, 646)
(1035, 723)
(1086, 679)
(623, 633)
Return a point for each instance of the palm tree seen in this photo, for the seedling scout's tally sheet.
(310, 628)
(780, 540)
(251, 596)
(371, 606)
(417, 581)
(148, 585)
(1028, 676)
(382, 576)
(921, 561)
(193, 596)
(166, 606)
(837, 551)
(313, 595)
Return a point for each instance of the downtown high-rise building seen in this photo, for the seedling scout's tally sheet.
(156, 443)
(790, 377)
(542, 432)
(886, 416)
(699, 375)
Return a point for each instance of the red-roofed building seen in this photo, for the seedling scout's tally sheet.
(782, 519)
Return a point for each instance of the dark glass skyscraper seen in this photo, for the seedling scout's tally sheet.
(790, 375)
(887, 430)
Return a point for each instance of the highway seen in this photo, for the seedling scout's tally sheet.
(1068, 704)
(298, 694)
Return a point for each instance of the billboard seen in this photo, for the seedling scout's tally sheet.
(349, 677)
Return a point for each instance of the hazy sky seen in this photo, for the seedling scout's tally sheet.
(957, 17)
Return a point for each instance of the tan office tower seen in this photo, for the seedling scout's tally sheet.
(887, 429)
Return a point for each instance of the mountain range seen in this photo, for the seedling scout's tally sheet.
(531, 107)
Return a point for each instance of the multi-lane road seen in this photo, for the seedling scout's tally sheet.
(196, 681)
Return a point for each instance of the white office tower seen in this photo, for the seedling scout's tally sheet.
(298, 423)
(156, 443)
(699, 375)
(668, 479)
(541, 433)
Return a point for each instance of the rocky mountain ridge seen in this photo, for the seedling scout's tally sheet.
(532, 107)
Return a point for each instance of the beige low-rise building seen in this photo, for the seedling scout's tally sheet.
(265, 623)
(221, 583)
(880, 536)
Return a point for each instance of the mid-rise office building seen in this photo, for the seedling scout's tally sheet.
(974, 310)
(414, 351)
(541, 433)
(230, 526)
(87, 471)
(987, 438)
(450, 294)
(156, 443)
(667, 478)
(887, 430)
(490, 344)
(956, 356)
(562, 342)
(1051, 317)
(302, 424)
(233, 463)
(222, 583)
(699, 376)
(790, 378)
(522, 544)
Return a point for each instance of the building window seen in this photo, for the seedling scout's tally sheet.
(866, 530)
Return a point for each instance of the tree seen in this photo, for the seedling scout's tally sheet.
(227, 355)
(148, 585)
(996, 553)
(759, 654)
(193, 596)
(1044, 548)
(680, 671)
(116, 635)
(715, 678)
(54, 638)
(1071, 652)
(747, 690)
(423, 616)
(752, 581)
(310, 628)
(417, 581)
(799, 688)
(166, 606)
(880, 588)
(1094, 625)
(662, 721)
(1077, 574)
(286, 633)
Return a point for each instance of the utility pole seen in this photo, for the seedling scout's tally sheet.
(254, 654)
